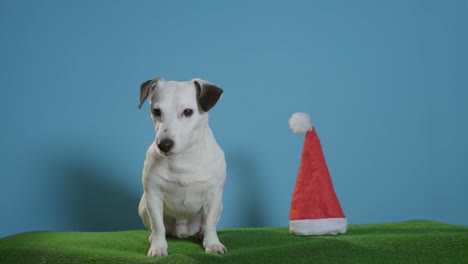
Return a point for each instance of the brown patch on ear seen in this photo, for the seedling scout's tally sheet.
(145, 90)
(207, 94)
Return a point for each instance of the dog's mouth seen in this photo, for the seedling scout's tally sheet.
(166, 154)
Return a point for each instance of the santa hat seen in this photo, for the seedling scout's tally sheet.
(315, 209)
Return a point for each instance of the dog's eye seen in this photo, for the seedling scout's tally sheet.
(188, 112)
(157, 112)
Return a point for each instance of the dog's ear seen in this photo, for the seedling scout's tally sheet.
(146, 88)
(207, 94)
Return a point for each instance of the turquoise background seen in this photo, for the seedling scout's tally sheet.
(385, 82)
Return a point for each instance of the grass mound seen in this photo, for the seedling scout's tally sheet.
(408, 242)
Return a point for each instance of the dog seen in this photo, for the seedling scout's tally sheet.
(185, 169)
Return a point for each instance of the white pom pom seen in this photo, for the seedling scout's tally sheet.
(300, 123)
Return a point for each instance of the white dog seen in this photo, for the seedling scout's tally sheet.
(185, 169)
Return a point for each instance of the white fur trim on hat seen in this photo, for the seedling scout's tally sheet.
(300, 123)
(323, 226)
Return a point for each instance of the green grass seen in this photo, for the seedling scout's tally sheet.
(404, 242)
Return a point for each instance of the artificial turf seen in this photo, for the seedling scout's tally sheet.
(403, 242)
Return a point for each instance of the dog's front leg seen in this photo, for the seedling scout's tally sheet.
(154, 205)
(211, 214)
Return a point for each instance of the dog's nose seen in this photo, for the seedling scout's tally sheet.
(165, 145)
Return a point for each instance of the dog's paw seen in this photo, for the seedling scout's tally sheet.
(217, 248)
(155, 252)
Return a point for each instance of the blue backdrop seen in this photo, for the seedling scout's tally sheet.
(385, 82)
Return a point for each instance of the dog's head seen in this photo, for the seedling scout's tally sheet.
(178, 110)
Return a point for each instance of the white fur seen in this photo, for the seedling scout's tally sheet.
(323, 226)
(182, 188)
(300, 123)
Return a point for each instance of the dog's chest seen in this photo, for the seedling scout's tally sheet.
(183, 193)
(183, 199)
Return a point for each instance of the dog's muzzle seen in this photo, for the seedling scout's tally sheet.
(165, 145)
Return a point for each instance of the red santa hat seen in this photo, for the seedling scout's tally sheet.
(315, 209)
